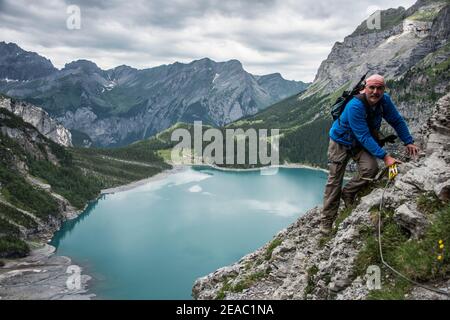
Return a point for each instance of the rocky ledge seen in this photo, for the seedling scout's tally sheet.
(299, 264)
(40, 119)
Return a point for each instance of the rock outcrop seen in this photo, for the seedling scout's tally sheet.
(40, 119)
(391, 50)
(17, 64)
(296, 265)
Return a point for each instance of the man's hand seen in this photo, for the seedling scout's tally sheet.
(389, 161)
(412, 150)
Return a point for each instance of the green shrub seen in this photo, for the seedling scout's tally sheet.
(25, 196)
(7, 228)
(17, 216)
(70, 182)
(311, 272)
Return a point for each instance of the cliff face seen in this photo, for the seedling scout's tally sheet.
(406, 53)
(299, 264)
(40, 119)
(405, 37)
(29, 207)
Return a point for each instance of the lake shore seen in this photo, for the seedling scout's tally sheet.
(42, 275)
(178, 168)
(285, 165)
(137, 183)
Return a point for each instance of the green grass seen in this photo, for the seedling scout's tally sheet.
(243, 284)
(388, 19)
(391, 290)
(226, 287)
(427, 15)
(311, 272)
(249, 280)
(324, 240)
(416, 259)
(275, 243)
(344, 214)
(429, 203)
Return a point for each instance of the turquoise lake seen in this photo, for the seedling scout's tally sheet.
(153, 241)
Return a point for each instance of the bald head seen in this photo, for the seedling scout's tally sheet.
(375, 80)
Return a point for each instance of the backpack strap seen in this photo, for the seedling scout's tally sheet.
(370, 111)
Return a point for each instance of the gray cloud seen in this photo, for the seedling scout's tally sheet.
(287, 36)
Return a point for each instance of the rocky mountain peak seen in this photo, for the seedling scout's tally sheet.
(405, 37)
(18, 64)
(86, 66)
(233, 64)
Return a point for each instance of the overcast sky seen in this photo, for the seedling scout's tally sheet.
(287, 36)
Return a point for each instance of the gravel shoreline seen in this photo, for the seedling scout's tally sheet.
(42, 275)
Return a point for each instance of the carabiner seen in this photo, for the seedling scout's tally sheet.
(393, 171)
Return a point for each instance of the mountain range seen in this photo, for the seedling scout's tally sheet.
(124, 104)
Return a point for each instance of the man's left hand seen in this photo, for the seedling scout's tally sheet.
(412, 150)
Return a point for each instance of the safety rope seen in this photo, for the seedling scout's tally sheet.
(392, 174)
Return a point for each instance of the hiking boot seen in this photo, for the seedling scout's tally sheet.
(325, 228)
(348, 201)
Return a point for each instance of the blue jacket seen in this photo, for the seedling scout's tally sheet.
(352, 129)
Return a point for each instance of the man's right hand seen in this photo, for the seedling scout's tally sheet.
(389, 161)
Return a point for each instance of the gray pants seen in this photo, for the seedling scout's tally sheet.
(338, 158)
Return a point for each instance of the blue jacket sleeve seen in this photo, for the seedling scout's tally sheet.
(358, 124)
(394, 118)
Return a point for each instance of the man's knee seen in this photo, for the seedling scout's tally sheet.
(368, 165)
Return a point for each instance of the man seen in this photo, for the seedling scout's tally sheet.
(355, 135)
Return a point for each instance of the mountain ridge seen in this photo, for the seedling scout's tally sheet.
(123, 104)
